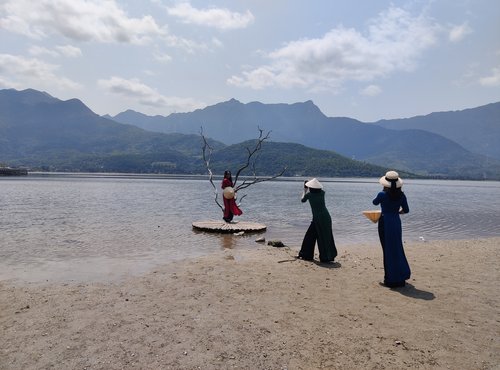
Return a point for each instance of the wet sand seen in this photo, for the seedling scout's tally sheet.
(262, 309)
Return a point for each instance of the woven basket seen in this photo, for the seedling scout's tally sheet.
(373, 216)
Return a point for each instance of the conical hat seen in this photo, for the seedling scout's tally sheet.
(228, 192)
(314, 184)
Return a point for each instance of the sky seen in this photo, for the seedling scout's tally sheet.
(367, 60)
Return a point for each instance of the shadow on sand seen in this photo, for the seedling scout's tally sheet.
(328, 265)
(409, 290)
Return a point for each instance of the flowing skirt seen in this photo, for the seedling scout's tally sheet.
(231, 209)
(396, 266)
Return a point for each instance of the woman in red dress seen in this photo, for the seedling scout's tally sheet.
(230, 207)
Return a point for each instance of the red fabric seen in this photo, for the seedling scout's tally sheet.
(230, 204)
(226, 183)
(231, 207)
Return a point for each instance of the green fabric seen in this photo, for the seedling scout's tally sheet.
(323, 223)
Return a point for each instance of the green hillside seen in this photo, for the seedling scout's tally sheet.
(298, 159)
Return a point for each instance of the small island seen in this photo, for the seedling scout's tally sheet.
(9, 171)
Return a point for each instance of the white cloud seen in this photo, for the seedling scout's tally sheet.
(394, 42)
(135, 90)
(493, 79)
(187, 45)
(9, 84)
(458, 33)
(64, 50)
(69, 51)
(81, 20)
(218, 43)
(371, 90)
(39, 50)
(162, 57)
(32, 72)
(218, 18)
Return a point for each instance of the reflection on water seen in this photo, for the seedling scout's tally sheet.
(102, 227)
(228, 241)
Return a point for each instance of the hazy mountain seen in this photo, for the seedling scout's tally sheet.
(303, 123)
(38, 130)
(233, 122)
(476, 129)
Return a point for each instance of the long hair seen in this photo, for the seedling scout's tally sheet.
(394, 192)
(226, 173)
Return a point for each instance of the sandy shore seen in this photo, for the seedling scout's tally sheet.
(262, 309)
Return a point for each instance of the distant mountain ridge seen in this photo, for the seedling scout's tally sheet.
(476, 129)
(40, 131)
(37, 130)
(410, 149)
(231, 122)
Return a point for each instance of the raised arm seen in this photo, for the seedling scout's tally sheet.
(304, 193)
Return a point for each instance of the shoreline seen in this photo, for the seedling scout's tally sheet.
(263, 309)
(194, 176)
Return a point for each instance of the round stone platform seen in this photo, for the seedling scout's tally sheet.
(229, 227)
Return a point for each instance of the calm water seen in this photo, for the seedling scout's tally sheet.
(74, 227)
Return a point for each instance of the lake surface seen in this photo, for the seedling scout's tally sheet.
(104, 227)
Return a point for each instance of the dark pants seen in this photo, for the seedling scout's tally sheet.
(307, 249)
(229, 217)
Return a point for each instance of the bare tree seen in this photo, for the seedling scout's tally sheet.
(252, 157)
(207, 156)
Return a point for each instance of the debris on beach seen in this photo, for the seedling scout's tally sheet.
(276, 243)
(260, 240)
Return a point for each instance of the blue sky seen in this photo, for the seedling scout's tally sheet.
(367, 60)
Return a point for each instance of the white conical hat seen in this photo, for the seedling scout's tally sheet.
(228, 192)
(314, 184)
(389, 177)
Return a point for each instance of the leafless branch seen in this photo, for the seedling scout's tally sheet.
(258, 146)
(253, 155)
(206, 160)
(256, 180)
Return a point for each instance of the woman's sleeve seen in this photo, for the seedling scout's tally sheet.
(404, 204)
(305, 196)
(378, 199)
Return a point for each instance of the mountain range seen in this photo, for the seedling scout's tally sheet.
(40, 131)
(476, 129)
(450, 144)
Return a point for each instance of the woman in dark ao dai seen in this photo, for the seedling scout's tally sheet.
(393, 203)
(320, 229)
